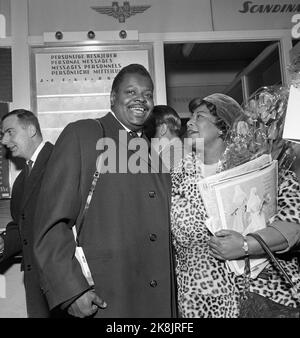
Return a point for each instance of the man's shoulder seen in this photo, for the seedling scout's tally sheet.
(86, 124)
(45, 153)
(81, 124)
(80, 127)
(83, 131)
(48, 146)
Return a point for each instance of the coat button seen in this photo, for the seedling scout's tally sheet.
(153, 283)
(23, 216)
(152, 194)
(28, 267)
(153, 237)
(25, 241)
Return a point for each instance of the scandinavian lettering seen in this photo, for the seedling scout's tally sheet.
(251, 7)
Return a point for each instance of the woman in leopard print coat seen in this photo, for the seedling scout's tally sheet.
(206, 288)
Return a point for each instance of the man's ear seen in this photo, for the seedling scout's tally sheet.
(31, 130)
(112, 98)
(163, 129)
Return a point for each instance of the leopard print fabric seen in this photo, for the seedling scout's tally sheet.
(206, 289)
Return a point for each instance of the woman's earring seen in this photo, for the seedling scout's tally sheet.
(220, 132)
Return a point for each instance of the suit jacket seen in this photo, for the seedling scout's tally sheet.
(19, 232)
(125, 236)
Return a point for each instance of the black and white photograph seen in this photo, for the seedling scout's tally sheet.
(149, 162)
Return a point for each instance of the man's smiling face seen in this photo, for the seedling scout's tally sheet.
(132, 103)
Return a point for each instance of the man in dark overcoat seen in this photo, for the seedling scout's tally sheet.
(126, 231)
(21, 134)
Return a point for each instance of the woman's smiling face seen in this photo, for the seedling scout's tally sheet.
(202, 125)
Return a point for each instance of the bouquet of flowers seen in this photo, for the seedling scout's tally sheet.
(294, 72)
(260, 130)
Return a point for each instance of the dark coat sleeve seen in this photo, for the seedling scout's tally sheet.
(58, 206)
(12, 240)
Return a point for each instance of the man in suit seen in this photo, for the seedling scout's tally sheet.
(126, 233)
(21, 134)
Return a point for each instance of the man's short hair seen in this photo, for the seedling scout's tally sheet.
(133, 68)
(164, 114)
(26, 118)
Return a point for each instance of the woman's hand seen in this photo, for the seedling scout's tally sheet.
(227, 245)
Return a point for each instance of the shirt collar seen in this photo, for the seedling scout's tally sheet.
(36, 153)
(126, 128)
